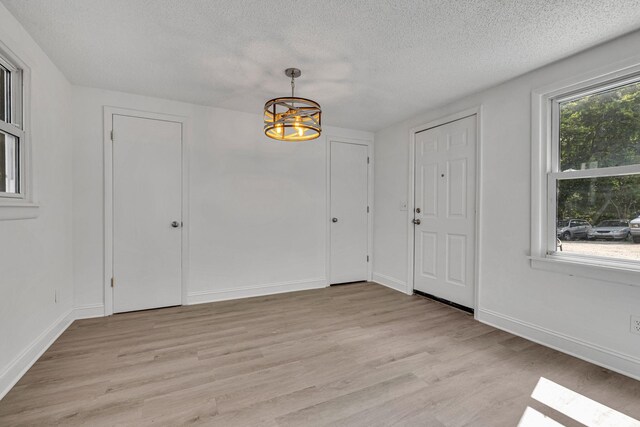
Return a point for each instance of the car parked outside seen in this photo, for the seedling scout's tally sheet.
(611, 229)
(570, 229)
(635, 229)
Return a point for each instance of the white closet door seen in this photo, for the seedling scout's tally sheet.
(349, 217)
(147, 223)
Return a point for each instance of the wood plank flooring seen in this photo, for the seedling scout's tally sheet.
(355, 355)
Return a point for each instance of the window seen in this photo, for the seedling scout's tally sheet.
(16, 186)
(595, 170)
(586, 174)
(12, 132)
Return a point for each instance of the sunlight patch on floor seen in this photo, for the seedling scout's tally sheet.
(575, 406)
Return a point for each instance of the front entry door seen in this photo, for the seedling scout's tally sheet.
(147, 219)
(445, 171)
(349, 212)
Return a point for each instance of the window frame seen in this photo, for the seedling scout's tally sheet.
(20, 205)
(545, 170)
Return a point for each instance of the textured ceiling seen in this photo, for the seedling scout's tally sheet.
(369, 63)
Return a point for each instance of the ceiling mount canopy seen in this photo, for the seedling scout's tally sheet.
(291, 118)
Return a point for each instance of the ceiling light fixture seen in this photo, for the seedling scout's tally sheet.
(290, 118)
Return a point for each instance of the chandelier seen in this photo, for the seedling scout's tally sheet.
(291, 118)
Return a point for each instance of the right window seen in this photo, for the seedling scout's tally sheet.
(594, 178)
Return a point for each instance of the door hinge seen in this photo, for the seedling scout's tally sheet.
(111, 135)
(367, 209)
(113, 281)
(367, 159)
(367, 258)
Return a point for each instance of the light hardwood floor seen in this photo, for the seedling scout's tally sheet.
(355, 355)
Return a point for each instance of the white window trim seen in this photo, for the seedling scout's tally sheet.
(22, 205)
(544, 152)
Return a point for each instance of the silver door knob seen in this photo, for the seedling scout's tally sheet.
(334, 219)
(416, 221)
(175, 224)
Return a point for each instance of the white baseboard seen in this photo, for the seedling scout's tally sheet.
(88, 311)
(21, 364)
(390, 282)
(622, 363)
(254, 291)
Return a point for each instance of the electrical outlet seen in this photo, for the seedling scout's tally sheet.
(635, 325)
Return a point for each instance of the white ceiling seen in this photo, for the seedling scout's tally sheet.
(368, 63)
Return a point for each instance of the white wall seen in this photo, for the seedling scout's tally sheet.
(35, 254)
(257, 207)
(586, 317)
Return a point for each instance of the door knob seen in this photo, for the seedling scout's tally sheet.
(334, 219)
(175, 224)
(416, 221)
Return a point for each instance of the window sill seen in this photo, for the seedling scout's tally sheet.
(618, 272)
(10, 209)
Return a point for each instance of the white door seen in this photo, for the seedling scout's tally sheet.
(349, 212)
(147, 219)
(445, 170)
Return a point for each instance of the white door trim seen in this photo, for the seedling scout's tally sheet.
(108, 196)
(477, 111)
(369, 144)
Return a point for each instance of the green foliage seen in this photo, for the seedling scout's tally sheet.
(600, 130)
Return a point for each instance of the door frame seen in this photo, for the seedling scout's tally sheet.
(109, 112)
(474, 111)
(369, 144)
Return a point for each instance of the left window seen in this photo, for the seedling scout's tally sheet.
(12, 132)
(16, 183)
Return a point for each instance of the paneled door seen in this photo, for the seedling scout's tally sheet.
(147, 213)
(349, 212)
(444, 217)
